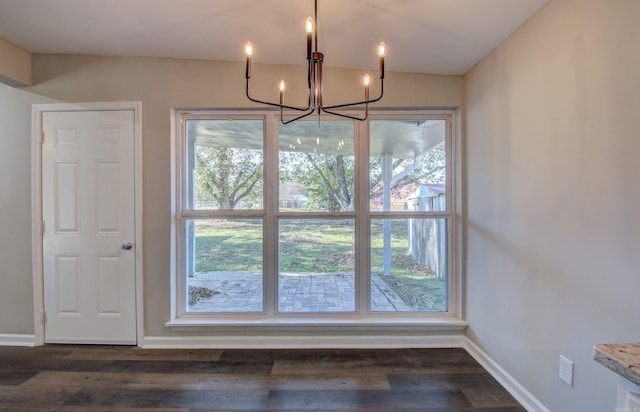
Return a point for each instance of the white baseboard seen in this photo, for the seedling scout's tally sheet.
(304, 342)
(526, 399)
(17, 340)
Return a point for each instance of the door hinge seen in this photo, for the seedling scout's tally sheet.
(41, 228)
(42, 137)
(43, 318)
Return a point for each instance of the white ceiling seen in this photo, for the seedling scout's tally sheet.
(422, 36)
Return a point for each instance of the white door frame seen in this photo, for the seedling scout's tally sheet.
(37, 209)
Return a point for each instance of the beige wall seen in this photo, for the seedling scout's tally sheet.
(16, 295)
(161, 84)
(15, 65)
(552, 197)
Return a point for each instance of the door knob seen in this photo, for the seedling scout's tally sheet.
(127, 246)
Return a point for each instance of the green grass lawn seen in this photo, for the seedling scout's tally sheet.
(228, 245)
(416, 285)
(315, 246)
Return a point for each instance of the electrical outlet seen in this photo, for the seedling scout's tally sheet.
(566, 370)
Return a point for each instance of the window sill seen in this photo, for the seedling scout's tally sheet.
(309, 333)
(387, 323)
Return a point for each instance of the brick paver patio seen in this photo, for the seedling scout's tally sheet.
(298, 292)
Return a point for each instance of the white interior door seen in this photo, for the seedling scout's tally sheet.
(88, 208)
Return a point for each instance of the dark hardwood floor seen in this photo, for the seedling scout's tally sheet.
(99, 378)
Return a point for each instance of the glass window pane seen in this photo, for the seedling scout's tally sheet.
(316, 266)
(316, 166)
(225, 164)
(224, 265)
(407, 165)
(409, 265)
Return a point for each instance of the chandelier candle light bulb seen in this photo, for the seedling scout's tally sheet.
(382, 48)
(281, 87)
(308, 27)
(248, 50)
(365, 81)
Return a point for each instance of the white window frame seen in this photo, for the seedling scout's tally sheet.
(180, 318)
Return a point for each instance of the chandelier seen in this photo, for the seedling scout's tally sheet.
(314, 80)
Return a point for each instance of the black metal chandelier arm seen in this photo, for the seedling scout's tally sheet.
(338, 106)
(300, 109)
(347, 116)
(311, 107)
(302, 116)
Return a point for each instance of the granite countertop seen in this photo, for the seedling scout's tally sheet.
(622, 358)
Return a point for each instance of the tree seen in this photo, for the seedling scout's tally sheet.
(328, 180)
(228, 175)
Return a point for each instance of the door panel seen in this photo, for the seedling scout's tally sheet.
(88, 210)
(67, 285)
(66, 197)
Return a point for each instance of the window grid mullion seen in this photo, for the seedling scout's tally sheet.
(270, 243)
(362, 281)
(182, 149)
